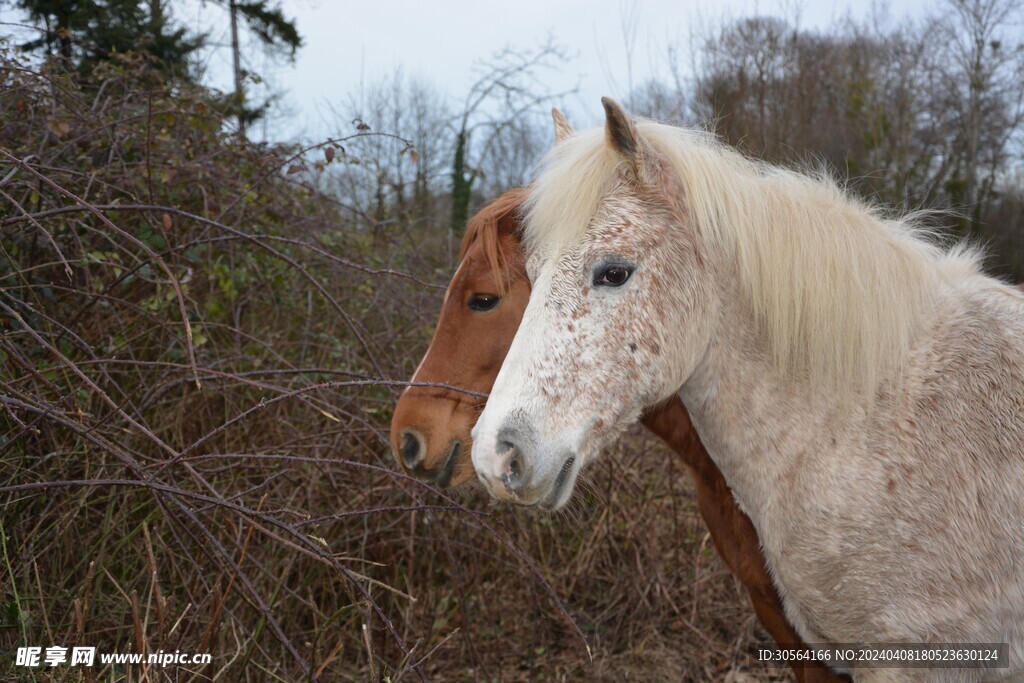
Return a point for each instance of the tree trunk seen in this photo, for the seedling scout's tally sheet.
(236, 58)
(64, 34)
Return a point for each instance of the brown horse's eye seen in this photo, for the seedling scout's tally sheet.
(612, 275)
(483, 302)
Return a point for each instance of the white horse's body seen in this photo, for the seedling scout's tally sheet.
(861, 389)
(902, 525)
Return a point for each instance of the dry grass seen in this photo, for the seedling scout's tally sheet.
(198, 360)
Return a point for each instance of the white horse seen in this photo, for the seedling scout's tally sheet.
(861, 388)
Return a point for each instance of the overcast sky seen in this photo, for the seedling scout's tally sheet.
(348, 42)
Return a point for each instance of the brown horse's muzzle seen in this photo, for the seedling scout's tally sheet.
(430, 435)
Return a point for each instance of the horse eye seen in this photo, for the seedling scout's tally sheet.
(483, 302)
(612, 276)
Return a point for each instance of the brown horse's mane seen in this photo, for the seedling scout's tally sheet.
(484, 228)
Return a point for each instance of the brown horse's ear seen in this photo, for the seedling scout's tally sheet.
(562, 128)
(622, 136)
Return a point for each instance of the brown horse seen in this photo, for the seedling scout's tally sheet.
(484, 304)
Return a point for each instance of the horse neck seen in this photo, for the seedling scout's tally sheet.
(757, 425)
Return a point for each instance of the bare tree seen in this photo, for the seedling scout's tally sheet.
(654, 99)
(984, 77)
(514, 152)
(397, 173)
(507, 90)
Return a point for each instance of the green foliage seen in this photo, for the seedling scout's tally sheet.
(270, 25)
(462, 185)
(86, 33)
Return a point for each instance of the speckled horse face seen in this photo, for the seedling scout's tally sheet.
(590, 355)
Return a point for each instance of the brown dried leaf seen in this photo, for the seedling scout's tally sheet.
(295, 168)
(59, 128)
(329, 154)
(168, 222)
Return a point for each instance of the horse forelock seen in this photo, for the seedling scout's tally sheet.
(572, 179)
(485, 228)
(837, 290)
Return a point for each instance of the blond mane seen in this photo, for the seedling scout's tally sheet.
(836, 289)
(483, 229)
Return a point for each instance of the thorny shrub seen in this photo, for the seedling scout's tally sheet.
(198, 359)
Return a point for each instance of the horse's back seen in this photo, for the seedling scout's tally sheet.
(954, 465)
(936, 480)
(972, 409)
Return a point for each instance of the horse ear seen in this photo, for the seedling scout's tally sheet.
(622, 135)
(562, 128)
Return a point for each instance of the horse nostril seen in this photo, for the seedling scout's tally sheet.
(515, 468)
(513, 449)
(410, 449)
(514, 471)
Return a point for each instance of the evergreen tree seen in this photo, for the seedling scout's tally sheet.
(87, 32)
(274, 31)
